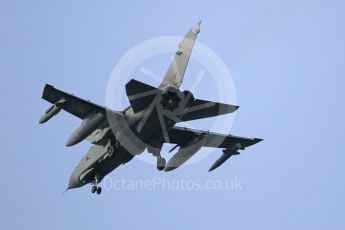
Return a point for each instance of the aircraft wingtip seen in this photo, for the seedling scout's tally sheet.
(258, 140)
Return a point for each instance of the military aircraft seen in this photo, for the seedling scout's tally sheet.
(148, 123)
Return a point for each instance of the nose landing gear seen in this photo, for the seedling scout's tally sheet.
(161, 162)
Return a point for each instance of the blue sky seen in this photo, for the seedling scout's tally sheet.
(287, 62)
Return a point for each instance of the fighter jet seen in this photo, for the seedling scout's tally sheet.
(148, 123)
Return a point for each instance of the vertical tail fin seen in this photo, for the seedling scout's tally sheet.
(177, 68)
(140, 95)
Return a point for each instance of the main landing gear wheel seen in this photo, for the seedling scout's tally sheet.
(94, 189)
(161, 162)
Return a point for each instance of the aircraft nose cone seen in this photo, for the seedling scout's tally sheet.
(73, 183)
